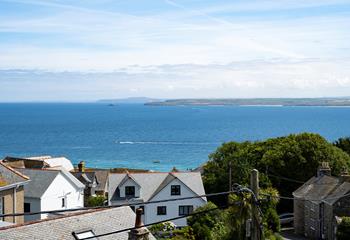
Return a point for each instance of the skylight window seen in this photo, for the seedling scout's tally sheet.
(84, 234)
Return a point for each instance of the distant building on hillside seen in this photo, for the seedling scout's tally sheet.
(95, 180)
(11, 194)
(89, 179)
(143, 187)
(39, 162)
(51, 189)
(320, 202)
(78, 226)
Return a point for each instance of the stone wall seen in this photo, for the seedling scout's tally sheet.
(8, 204)
(299, 217)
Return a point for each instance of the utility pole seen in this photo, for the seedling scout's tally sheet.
(255, 218)
(230, 176)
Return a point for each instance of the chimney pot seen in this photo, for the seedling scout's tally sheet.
(81, 166)
(344, 176)
(138, 221)
(324, 169)
(140, 232)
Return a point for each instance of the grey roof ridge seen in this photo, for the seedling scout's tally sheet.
(55, 218)
(163, 184)
(311, 182)
(182, 183)
(14, 170)
(57, 172)
(126, 177)
(334, 199)
(71, 178)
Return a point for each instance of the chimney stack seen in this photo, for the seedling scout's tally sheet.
(324, 169)
(81, 166)
(344, 176)
(140, 232)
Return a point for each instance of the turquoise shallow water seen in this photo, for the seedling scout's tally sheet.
(135, 135)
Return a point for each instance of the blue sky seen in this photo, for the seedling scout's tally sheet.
(83, 50)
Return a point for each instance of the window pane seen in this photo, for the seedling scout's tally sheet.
(26, 207)
(161, 210)
(185, 210)
(130, 191)
(175, 190)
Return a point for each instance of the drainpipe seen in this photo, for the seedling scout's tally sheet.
(14, 200)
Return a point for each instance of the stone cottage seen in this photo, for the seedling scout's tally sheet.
(319, 202)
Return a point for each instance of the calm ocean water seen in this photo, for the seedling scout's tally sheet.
(135, 135)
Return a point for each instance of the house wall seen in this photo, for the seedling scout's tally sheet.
(172, 207)
(130, 182)
(328, 222)
(8, 196)
(60, 188)
(299, 223)
(34, 207)
(312, 220)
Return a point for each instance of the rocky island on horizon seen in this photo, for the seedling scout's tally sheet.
(330, 101)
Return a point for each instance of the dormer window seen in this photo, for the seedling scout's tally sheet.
(175, 190)
(130, 191)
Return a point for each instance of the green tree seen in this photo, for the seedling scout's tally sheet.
(295, 156)
(343, 230)
(95, 201)
(203, 224)
(343, 144)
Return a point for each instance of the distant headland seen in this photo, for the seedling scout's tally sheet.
(341, 101)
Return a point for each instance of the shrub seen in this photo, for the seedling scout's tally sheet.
(96, 201)
(343, 231)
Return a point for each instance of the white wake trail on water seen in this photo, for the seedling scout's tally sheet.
(167, 143)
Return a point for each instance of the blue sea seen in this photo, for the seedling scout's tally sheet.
(134, 136)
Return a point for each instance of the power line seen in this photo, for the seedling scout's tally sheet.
(114, 206)
(238, 189)
(305, 199)
(298, 181)
(155, 223)
(285, 178)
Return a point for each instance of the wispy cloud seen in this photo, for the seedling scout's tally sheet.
(272, 78)
(176, 47)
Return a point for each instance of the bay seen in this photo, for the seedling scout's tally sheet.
(137, 136)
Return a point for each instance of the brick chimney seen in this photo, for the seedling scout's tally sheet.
(140, 233)
(81, 166)
(324, 169)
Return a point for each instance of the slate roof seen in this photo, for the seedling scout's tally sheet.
(324, 188)
(152, 183)
(88, 177)
(42, 178)
(10, 176)
(100, 221)
(340, 191)
(102, 178)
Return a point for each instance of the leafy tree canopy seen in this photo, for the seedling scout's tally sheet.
(344, 144)
(295, 156)
(343, 231)
(96, 201)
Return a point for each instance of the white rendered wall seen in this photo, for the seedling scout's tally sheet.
(129, 182)
(172, 207)
(60, 188)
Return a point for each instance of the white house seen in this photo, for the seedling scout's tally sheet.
(51, 189)
(144, 187)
